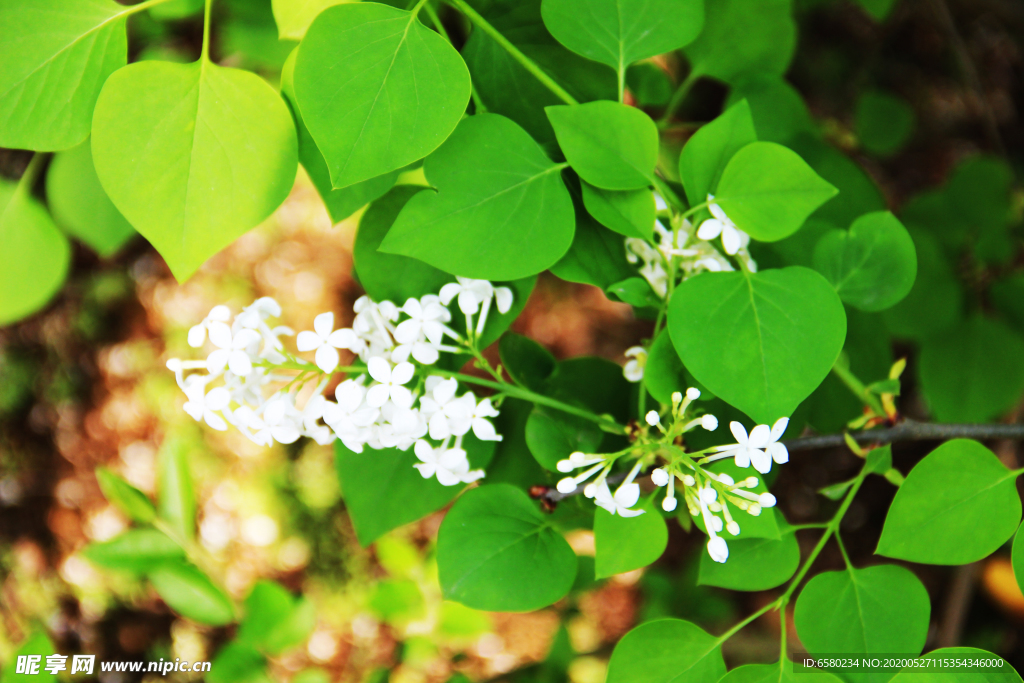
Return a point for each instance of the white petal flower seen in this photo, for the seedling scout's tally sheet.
(233, 350)
(203, 406)
(625, 497)
(747, 449)
(733, 239)
(391, 380)
(718, 549)
(776, 449)
(634, 368)
(449, 465)
(282, 419)
(326, 341)
(218, 315)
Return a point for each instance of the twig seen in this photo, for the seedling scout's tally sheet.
(957, 603)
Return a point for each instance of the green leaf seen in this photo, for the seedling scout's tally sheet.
(507, 88)
(81, 206)
(958, 505)
(377, 89)
(754, 564)
(275, 620)
(340, 203)
(883, 122)
(706, 154)
(552, 435)
(650, 84)
(193, 155)
(501, 210)
(777, 108)
(56, 56)
(513, 463)
(597, 255)
(974, 372)
(389, 276)
(934, 302)
(1017, 557)
(36, 644)
(664, 372)
(858, 193)
(526, 361)
(776, 673)
(620, 32)
(741, 37)
(769, 191)
(781, 331)
(636, 292)
(629, 212)
(383, 491)
(37, 254)
(397, 601)
(875, 610)
(137, 550)
(293, 17)
(610, 145)
(872, 265)
(238, 662)
(496, 552)
(126, 497)
(913, 673)
(190, 592)
(176, 495)
(627, 543)
(666, 651)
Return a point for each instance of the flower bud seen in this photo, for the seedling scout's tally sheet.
(733, 528)
(577, 458)
(717, 524)
(708, 495)
(766, 500)
(669, 504)
(652, 418)
(718, 549)
(693, 393)
(174, 364)
(751, 482)
(676, 397)
(709, 422)
(567, 485)
(726, 479)
(565, 466)
(659, 477)
(688, 480)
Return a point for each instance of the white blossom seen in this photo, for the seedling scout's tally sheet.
(733, 239)
(203, 406)
(634, 368)
(624, 498)
(774, 447)
(449, 465)
(219, 315)
(326, 341)
(231, 350)
(392, 381)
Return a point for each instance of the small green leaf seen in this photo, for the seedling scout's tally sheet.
(836, 491)
(620, 32)
(553, 435)
(958, 505)
(883, 122)
(974, 372)
(501, 210)
(361, 83)
(193, 155)
(610, 145)
(781, 331)
(496, 552)
(873, 265)
(878, 460)
(597, 255)
(628, 212)
(526, 361)
(627, 543)
(176, 495)
(875, 610)
(275, 620)
(664, 372)
(934, 302)
(666, 651)
(293, 17)
(776, 107)
(383, 491)
(37, 254)
(238, 662)
(636, 292)
(706, 154)
(137, 550)
(56, 56)
(189, 592)
(36, 644)
(389, 276)
(81, 206)
(913, 673)
(754, 564)
(742, 37)
(126, 497)
(776, 673)
(768, 191)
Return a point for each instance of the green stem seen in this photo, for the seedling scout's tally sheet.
(205, 55)
(841, 369)
(695, 208)
(28, 178)
(622, 82)
(736, 629)
(416, 9)
(666, 191)
(677, 98)
(478, 104)
(515, 52)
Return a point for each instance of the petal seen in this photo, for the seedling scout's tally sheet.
(438, 426)
(220, 335)
(710, 229)
(716, 210)
(484, 430)
(762, 461)
(779, 452)
(240, 363)
(731, 240)
(379, 369)
(427, 470)
(196, 336)
(221, 313)
(739, 432)
(273, 414)
(307, 341)
(402, 373)
(447, 478)
(244, 338)
(216, 361)
(779, 428)
(401, 396)
(503, 297)
(626, 512)
(215, 421)
(327, 358)
(424, 451)
(434, 331)
(627, 495)
(445, 390)
(454, 459)
(742, 458)
(408, 331)
(400, 353)
(378, 395)
(285, 434)
(759, 436)
(425, 353)
(449, 292)
(413, 308)
(468, 302)
(350, 394)
(324, 324)
(345, 338)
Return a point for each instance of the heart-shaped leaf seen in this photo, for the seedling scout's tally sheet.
(377, 89)
(706, 154)
(776, 673)
(760, 341)
(501, 211)
(630, 212)
(623, 544)
(193, 155)
(872, 265)
(666, 651)
(754, 564)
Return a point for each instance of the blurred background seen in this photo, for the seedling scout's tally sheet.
(935, 86)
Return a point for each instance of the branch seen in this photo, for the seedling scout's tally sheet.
(910, 430)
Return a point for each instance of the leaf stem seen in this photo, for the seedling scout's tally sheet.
(668, 193)
(205, 55)
(738, 627)
(515, 52)
(478, 105)
(841, 369)
(142, 6)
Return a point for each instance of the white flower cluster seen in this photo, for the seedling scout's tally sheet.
(386, 404)
(694, 251)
